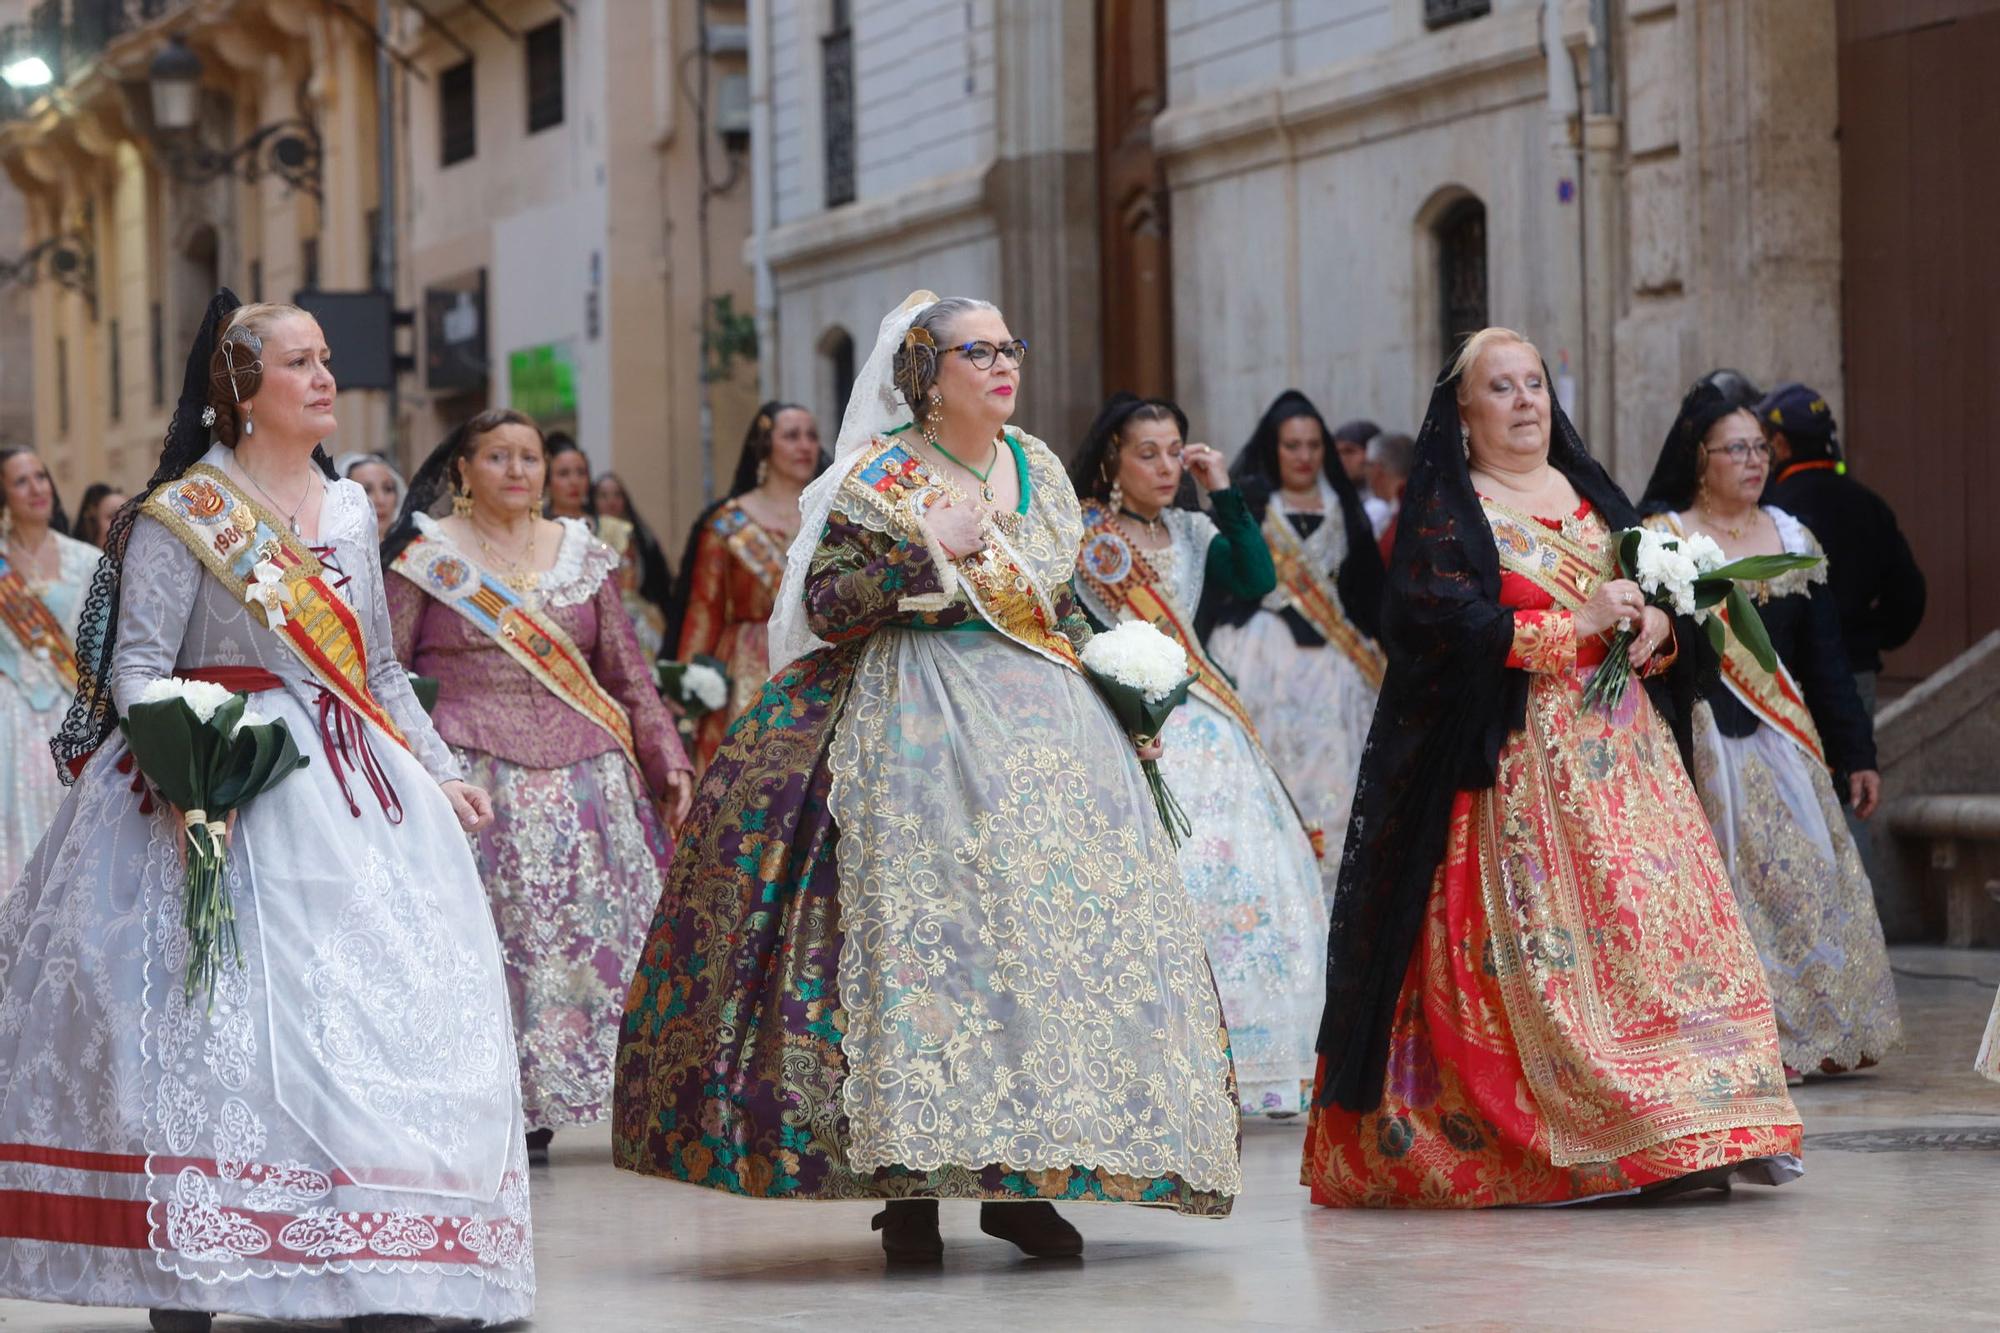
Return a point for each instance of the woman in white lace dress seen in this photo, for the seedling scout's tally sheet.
(1304, 655)
(1249, 866)
(339, 1134)
(43, 576)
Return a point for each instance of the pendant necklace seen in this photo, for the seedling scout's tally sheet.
(1734, 534)
(291, 519)
(1152, 525)
(985, 486)
(515, 577)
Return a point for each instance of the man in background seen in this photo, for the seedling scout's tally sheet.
(1389, 458)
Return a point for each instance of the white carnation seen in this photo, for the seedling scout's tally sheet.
(1138, 655)
(705, 683)
(202, 697)
(1703, 550)
(1666, 571)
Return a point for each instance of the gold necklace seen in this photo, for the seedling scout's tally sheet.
(38, 570)
(520, 580)
(292, 518)
(1734, 534)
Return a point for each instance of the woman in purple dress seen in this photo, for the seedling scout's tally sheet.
(545, 696)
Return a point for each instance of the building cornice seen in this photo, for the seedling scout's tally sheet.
(867, 224)
(1262, 123)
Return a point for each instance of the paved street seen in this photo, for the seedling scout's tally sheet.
(1895, 1225)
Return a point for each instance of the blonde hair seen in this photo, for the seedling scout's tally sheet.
(236, 370)
(1477, 346)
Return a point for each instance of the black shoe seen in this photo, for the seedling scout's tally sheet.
(180, 1321)
(538, 1146)
(1036, 1229)
(389, 1323)
(909, 1230)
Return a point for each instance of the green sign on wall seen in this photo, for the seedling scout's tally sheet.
(541, 381)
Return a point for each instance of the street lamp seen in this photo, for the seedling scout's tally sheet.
(66, 258)
(287, 149)
(27, 72)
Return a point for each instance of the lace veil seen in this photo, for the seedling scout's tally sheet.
(874, 408)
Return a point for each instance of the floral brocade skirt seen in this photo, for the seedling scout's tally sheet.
(1804, 895)
(572, 864)
(30, 791)
(1584, 1013)
(784, 1038)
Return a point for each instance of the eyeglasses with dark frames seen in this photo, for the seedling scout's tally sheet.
(1740, 450)
(982, 353)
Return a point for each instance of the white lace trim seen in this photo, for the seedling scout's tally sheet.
(582, 562)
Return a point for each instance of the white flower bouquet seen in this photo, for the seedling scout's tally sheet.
(1689, 576)
(1143, 675)
(205, 752)
(698, 686)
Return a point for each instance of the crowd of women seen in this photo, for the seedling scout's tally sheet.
(894, 918)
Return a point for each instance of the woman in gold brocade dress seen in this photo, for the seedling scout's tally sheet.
(1539, 987)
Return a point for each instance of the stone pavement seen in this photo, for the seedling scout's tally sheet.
(1896, 1224)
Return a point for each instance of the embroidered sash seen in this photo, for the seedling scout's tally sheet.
(1565, 563)
(751, 543)
(525, 633)
(1772, 695)
(1121, 578)
(28, 618)
(231, 534)
(894, 486)
(1311, 593)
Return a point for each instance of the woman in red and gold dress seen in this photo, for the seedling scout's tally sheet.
(735, 559)
(1539, 989)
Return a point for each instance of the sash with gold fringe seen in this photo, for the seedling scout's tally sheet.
(1772, 695)
(232, 536)
(1122, 579)
(895, 485)
(752, 544)
(528, 636)
(28, 618)
(1310, 592)
(1562, 562)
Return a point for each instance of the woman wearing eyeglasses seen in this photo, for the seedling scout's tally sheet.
(1777, 752)
(924, 937)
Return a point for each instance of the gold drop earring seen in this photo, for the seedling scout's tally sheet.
(931, 415)
(763, 470)
(461, 501)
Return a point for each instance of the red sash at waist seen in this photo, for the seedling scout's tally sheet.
(236, 679)
(341, 731)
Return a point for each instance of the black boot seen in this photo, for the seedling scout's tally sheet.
(909, 1230)
(538, 1146)
(180, 1321)
(1034, 1228)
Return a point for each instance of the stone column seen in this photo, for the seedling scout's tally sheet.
(1043, 195)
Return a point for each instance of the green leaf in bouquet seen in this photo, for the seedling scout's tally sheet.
(1628, 552)
(1710, 591)
(426, 690)
(1757, 568)
(260, 757)
(1748, 627)
(1718, 634)
(163, 740)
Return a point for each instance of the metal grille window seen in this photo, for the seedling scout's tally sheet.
(457, 137)
(545, 76)
(837, 106)
(1443, 13)
(115, 372)
(309, 263)
(1461, 242)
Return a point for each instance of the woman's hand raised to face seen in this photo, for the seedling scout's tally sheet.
(1207, 465)
(1614, 600)
(959, 528)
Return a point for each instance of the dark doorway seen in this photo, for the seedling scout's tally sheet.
(1133, 236)
(1461, 251)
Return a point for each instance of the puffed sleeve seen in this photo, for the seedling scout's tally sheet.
(390, 683)
(624, 671)
(859, 580)
(155, 599)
